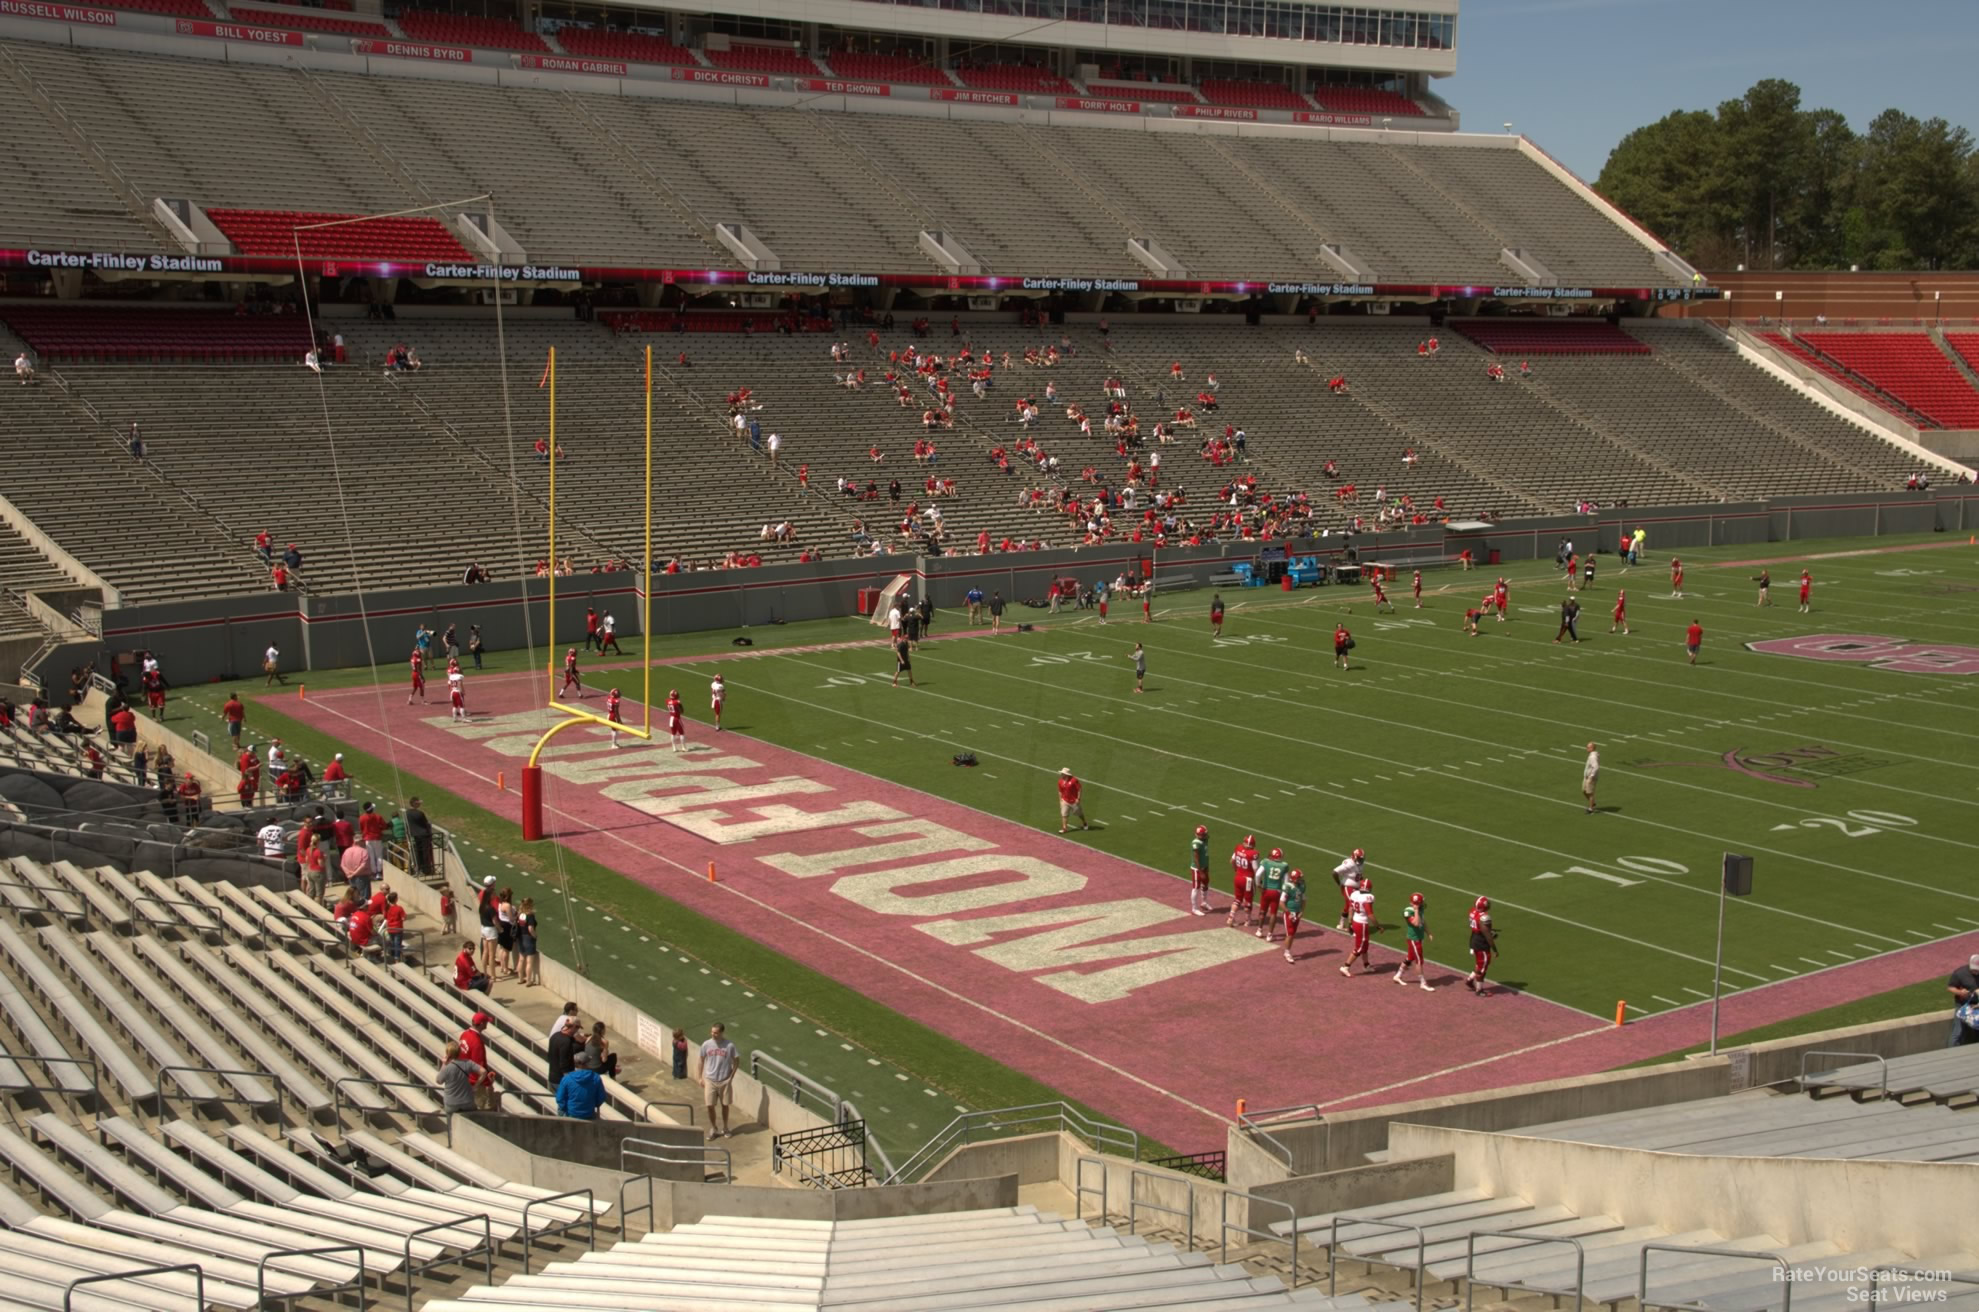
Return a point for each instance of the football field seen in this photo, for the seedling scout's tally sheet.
(1848, 769)
(926, 923)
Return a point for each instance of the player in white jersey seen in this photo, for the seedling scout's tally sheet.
(717, 693)
(1361, 900)
(457, 693)
(1348, 876)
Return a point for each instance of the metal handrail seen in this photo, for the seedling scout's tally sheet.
(95, 1074)
(1252, 1123)
(647, 1104)
(589, 1220)
(1080, 1189)
(1135, 1203)
(1531, 1239)
(198, 1282)
(337, 1093)
(1102, 1135)
(355, 1286)
(487, 1250)
(175, 1071)
(797, 1081)
(1226, 1226)
(691, 1155)
(1882, 1063)
(873, 1148)
(1642, 1273)
(1390, 1227)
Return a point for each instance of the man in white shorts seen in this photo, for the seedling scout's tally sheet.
(718, 1079)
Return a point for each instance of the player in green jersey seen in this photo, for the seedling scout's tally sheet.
(1293, 902)
(1270, 884)
(1416, 921)
(1199, 872)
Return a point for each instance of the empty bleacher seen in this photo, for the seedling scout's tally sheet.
(280, 232)
(1252, 95)
(64, 333)
(1550, 337)
(1907, 366)
(301, 20)
(1025, 79)
(638, 47)
(1763, 1124)
(463, 30)
(751, 57)
(908, 69)
(1146, 92)
(1365, 100)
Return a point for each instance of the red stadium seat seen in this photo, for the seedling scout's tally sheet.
(765, 59)
(460, 30)
(1252, 95)
(89, 333)
(1024, 79)
(298, 20)
(1366, 100)
(1162, 93)
(1908, 366)
(887, 68)
(272, 232)
(633, 47)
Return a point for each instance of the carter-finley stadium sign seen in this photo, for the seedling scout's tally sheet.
(509, 272)
(114, 261)
(779, 278)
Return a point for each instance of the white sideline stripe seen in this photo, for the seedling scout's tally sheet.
(731, 890)
(1470, 1065)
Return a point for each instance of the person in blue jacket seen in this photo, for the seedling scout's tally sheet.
(581, 1092)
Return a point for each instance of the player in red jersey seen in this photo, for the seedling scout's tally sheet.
(1415, 588)
(1806, 590)
(1243, 862)
(1343, 642)
(676, 724)
(1361, 900)
(1471, 614)
(154, 692)
(1484, 945)
(1693, 639)
(717, 694)
(612, 715)
(1501, 597)
(418, 677)
(1676, 577)
(1380, 596)
(1216, 615)
(1621, 612)
(571, 677)
(1414, 917)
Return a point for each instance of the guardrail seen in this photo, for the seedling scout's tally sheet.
(799, 1083)
(1882, 1064)
(1137, 1204)
(1530, 1240)
(707, 1159)
(198, 1282)
(1642, 1274)
(1252, 1124)
(274, 1085)
(355, 1286)
(589, 1220)
(55, 1086)
(1227, 1227)
(1102, 1136)
(487, 1250)
(873, 1148)
(1390, 1227)
(1081, 1190)
(337, 1098)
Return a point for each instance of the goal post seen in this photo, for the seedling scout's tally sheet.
(888, 595)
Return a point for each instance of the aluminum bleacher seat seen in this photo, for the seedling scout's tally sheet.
(1550, 337)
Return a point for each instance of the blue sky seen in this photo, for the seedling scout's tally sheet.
(1578, 75)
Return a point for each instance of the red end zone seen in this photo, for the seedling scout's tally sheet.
(1082, 970)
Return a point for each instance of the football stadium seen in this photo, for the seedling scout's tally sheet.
(1025, 654)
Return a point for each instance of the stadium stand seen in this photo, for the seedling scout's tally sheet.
(1770, 1125)
(1966, 347)
(300, 20)
(1541, 337)
(1146, 92)
(1365, 100)
(170, 8)
(23, 569)
(460, 29)
(274, 232)
(764, 59)
(1907, 366)
(1025, 79)
(1829, 367)
(908, 69)
(639, 47)
(1252, 95)
(75, 333)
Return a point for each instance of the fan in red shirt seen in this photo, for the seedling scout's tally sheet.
(475, 1049)
(1069, 789)
(1243, 865)
(1693, 639)
(418, 677)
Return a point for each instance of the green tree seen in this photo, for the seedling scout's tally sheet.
(1670, 176)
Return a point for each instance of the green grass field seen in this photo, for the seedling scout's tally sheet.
(1454, 761)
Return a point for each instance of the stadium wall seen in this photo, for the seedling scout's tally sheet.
(225, 637)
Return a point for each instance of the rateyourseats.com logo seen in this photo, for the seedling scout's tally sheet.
(1878, 1286)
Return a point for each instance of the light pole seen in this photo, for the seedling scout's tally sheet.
(1508, 129)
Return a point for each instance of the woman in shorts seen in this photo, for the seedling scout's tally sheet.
(505, 955)
(525, 943)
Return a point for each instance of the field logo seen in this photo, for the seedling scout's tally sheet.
(1786, 766)
(1877, 651)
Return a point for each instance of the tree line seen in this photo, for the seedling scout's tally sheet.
(1765, 183)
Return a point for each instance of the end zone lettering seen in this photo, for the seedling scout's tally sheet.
(1877, 651)
(58, 13)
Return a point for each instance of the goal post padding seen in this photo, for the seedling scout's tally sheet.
(889, 594)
